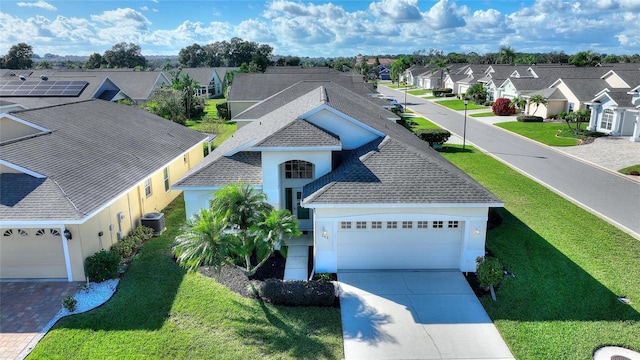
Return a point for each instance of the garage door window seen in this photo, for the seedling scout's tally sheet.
(407, 224)
(376, 224)
(423, 224)
(453, 225)
(438, 224)
(361, 224)
(392, 224)
(345, 225)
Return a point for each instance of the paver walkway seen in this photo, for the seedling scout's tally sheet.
(27, 307)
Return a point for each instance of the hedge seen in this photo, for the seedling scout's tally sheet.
(296, 292)
(434, 136)
(442, 92)
(130, 244)
(529, 118)
(102, 266)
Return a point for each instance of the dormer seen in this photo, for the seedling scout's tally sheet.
(13, 128)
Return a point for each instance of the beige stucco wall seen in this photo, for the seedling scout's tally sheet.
(11, 129)
(236, 107)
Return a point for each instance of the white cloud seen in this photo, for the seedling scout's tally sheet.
(123, 18)
(396, 10)
(38, 4)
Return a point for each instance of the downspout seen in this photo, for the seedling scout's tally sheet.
(67, 258)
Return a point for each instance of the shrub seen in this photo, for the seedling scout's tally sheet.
(69, 303)
(130, 244)
(434, 136)
(503, 107)
(223, 111)
(296, 292)
(442, 92)
(494, 220)
(123, 247)
(449, 95)
(144, 232)
(102, 266)
(489, 271)
(529, 118)
(488, 103)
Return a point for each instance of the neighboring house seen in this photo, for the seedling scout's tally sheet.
(384, 73)
(412, 74)
(75, 178)
(39, 88)
(212, 80)
(371, 193)
(249, 89)
(616, 113)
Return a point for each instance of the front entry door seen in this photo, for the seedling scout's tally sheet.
(293, 200)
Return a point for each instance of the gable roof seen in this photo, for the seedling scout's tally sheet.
(94, 151)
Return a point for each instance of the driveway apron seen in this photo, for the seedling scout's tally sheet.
(415, 315)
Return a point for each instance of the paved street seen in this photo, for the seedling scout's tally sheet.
(610, 196)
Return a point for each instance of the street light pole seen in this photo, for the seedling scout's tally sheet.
(405, 97)
(464, 130)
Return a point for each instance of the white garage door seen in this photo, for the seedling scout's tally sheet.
(381, 246)
(31, 254)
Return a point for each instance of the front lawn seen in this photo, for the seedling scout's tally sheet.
(161, 312)
(418, 123)
(549, 133)
(459, 105)
(419, 92)
(570, 267)
(484, 114)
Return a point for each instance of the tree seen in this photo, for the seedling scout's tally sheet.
(95, 61)
(442, 66)
(44, 64)
(476, 92)
(167, 103)
(537, 100)
(519, 102)
(584, 58)
(240, 228)
(187, 86)
(192, 56)
(19, 57)
(124, 55)
(506, 55)
(399, 66)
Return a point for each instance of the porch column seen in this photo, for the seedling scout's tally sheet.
(67, 258)
(593, 121)
(636, 129)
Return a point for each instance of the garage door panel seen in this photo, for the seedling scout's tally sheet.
(399, 249)
(24, 255)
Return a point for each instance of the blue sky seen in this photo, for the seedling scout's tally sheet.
(323, 28)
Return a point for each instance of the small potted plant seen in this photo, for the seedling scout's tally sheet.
(489, 272)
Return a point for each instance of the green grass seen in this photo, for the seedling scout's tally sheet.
(417, 123)
(569, 266)
(484, 114)
(159, 311)
(210, 123)
(459, 105)
(419, 92)
(629, 169)
(549, 133)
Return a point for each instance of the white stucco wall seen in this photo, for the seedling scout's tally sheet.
(351, 135)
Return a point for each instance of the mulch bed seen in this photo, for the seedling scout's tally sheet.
(236, 281)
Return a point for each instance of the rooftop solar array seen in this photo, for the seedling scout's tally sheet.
(19, 88)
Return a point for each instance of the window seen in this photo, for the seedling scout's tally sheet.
(361, 224)
(607, 119)
(423, 224)
(345, 225)
(54, 232)
(452, 224)
(437, 224)
(165, 174)
(376, 224)
(298, 169)
(40, 232)
(392, 224)
(147, 187)
(407, 224)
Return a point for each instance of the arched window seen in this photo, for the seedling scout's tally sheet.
(607, 119)
(298, 169)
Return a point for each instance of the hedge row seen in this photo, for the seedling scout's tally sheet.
(442, 92)
(295, 292)
(434, 136)
(130, 244)
(529, 118)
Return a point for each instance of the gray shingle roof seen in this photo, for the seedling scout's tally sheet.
(388, 171)
(300, 134)
(95, 151)
(245, 166)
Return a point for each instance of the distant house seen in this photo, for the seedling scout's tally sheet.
(370, 193)
(616, 113)
(75, 178)
(212, 80)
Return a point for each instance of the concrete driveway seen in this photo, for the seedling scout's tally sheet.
(415, 315)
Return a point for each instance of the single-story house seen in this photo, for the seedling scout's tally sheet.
(370, 192)
(212, 80)
(75, 178)
(616, 113)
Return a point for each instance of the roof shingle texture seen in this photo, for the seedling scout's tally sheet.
(95, 151)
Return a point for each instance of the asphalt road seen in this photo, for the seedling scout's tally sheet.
(612, 197)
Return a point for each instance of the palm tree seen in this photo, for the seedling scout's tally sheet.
(519, 102)
(238, 224)
(538, 100)
(506, 54)
(477, 92)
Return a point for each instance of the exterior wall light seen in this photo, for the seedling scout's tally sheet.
(67, 234)
(325, 233)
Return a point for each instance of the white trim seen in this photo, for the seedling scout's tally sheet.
(401, 217)
(67, 258)
(24, 122)
(405, 205)
(36, 222)
(343, 115)
(22, 170)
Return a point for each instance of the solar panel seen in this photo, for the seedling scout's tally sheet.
(60, 88)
